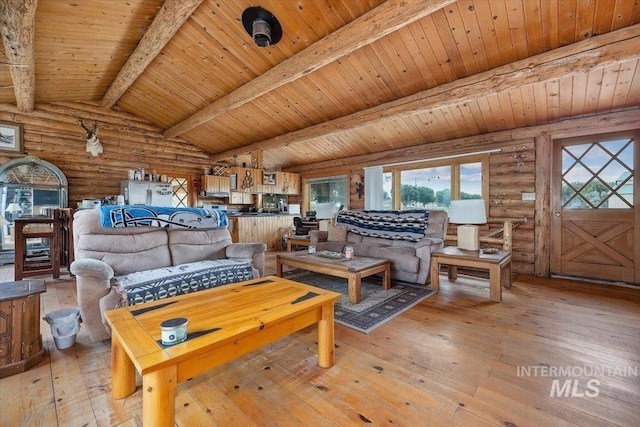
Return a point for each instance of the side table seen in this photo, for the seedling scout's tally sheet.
(297, 241)
(498, 264)
(20, 339)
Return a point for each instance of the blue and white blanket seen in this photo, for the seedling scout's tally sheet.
(157, 216)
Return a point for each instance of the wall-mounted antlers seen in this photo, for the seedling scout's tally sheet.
(93, 143)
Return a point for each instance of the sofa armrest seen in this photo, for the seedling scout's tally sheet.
(251, 251)
(245, 250)
(429, 242)
(93, 282)
(316, 236)
(89, 267)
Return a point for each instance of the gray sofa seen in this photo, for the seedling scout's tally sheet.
(121, 266)
(406, 238)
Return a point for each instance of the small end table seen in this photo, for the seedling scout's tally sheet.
(498, 264)
(298, 241)
(20, 339)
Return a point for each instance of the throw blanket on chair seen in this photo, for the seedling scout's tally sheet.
(157, 216)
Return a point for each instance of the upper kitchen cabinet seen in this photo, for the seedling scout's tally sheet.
(215, 184)
(259, 181)
(246, 180)
(287, 183)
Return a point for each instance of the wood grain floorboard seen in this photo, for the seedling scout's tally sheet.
(452, 360)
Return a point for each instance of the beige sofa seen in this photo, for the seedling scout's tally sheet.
(406, 238)
(108, 259)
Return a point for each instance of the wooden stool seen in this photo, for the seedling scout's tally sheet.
(36, 227)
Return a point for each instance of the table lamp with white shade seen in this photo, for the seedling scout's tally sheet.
(468, 213)
(13, 209)
(325, 212)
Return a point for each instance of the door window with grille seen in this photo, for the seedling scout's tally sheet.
(593, 226)
(598, 175)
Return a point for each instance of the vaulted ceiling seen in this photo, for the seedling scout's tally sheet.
(348, 78)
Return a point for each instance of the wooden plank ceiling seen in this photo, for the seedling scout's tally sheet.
(348, 78)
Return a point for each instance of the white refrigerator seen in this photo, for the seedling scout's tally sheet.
(147, 193)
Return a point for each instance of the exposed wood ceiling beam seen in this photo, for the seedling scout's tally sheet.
(570, 127)
(168, 20)
(18, 27)
(581, 57)
(384, 19)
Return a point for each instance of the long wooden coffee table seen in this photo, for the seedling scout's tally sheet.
(353, 270)
(224, 323)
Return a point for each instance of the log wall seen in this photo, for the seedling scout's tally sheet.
(513, 170)
(52, 133)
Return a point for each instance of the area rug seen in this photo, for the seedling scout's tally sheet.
(377, 306)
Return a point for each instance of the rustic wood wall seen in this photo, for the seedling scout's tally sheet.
(52, 133)
(512, 171)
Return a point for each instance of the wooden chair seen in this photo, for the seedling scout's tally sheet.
(35, 263)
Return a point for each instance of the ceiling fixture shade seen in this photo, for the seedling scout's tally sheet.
(262, 26)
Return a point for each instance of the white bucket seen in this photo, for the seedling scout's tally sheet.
(64, 326)
(62, 343)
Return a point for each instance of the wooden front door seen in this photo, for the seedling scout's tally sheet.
(595, 222)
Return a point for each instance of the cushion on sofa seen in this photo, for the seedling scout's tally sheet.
(402, 258)
(367, 249)
(337, 233)
(195, 245)
(150, 285)
(126, 253)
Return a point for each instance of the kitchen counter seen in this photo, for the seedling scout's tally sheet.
(268, 228)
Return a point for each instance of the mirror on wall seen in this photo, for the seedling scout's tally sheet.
(29, 186)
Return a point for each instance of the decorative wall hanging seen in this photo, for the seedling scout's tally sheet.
(11, 137)
(247, 182)
(357, 181)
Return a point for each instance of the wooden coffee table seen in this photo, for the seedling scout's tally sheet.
(224, 323)
(498, 264)
(353, 270)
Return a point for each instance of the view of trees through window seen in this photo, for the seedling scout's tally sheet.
(431, 187)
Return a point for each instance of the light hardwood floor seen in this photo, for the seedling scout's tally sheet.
(451, 360)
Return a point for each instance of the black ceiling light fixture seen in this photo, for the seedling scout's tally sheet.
(262, 26)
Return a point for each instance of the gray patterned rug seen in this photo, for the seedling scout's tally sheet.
(377, 306)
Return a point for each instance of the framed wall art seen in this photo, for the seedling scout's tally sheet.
(268, 178)
(10, 137)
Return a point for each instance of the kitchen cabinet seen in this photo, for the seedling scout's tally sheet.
(237, 198)
(288, 183)
(21, 344)
(266, 229)
(250, 180)
(215, 184)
